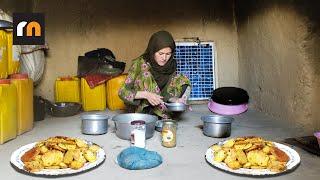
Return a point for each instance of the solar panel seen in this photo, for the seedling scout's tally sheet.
(197, 61)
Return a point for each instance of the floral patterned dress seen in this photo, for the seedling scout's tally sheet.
(140, 79)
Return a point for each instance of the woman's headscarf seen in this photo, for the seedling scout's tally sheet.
(158, 41)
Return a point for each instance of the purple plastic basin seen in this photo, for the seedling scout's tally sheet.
(227, 109)
(317, 135)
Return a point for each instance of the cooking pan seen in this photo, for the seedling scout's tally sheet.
(176, 107)
(63, 109)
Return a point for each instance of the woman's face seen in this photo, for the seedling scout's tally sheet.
(163, 55)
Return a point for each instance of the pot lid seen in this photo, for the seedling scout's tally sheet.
(94, 116)
(217, 119)
(230, 96)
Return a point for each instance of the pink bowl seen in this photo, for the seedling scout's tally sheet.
(227, 109)
(317, 135)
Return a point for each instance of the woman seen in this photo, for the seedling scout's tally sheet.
(152, 79)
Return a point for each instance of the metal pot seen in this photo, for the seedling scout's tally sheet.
(123, 124)
(94, 124)
(176, 107)
(216, 125)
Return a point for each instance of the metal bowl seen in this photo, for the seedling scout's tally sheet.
(216, 125)
(6, 24)
(176, 107)
(123, 124)
(63, 109)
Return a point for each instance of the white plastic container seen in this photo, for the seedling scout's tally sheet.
(138, 134)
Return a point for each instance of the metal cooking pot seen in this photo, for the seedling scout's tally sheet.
(94, 124)
(216, 125)
(176, 107)
(123, 124)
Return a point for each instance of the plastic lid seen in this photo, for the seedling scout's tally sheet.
(138, 122)
(169, 122)
(4, 81)
(19, 76)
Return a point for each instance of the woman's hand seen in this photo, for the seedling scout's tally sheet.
(178, 100)
(153, 99)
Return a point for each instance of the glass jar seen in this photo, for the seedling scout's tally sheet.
(138, 133)
(169, 133)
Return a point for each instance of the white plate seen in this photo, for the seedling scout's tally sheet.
(17, 154)
(294, 160)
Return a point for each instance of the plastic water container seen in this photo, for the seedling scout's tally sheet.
(112, 87)
(8, 111)
(3, 55)
(13, 59)
(24, 87)
(93, 99)
(67, 89)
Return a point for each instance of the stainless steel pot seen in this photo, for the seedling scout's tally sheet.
(94, 124)
(176, 107)
(216, 125)
(123, 124)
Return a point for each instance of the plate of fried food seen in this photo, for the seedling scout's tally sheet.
(58, 156)
(252, 156)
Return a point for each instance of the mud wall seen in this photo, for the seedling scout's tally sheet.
(279, 58)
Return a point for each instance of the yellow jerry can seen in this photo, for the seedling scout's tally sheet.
(13, 59)
(8, 111)
(67, 89)
(24, 87)
(93, 99)
(112, 87)
(3, 54)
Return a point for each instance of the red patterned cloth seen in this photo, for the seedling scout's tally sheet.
(94, 80)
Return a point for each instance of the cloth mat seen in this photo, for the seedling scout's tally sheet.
(308, 143)
(135, 158)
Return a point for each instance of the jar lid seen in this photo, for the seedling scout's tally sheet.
(4, 81)
(138, 122)
(19, 76)
(169, 122)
